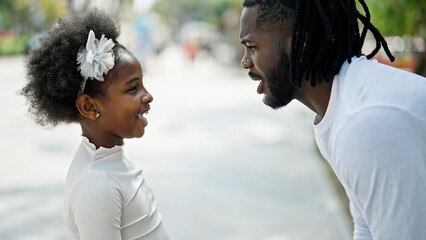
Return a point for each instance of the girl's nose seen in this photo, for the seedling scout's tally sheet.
(147, 98)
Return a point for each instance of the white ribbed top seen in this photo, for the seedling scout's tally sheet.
(106, 197)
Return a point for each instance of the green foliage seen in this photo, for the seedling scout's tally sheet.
(23, 15)
(399, 17)
(52, 9)
(21, 18)
(215, 9)
(12, 44)
(5, 14)
(176, 12)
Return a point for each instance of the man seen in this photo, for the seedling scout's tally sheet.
(371, 118)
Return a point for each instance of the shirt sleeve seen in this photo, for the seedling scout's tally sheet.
(96, 207)
(381, 158)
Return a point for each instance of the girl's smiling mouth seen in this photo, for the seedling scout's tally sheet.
(141, 116)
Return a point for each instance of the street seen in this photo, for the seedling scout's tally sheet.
(222, 165)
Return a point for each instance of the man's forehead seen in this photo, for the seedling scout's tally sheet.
(248, 21)
(249, 26)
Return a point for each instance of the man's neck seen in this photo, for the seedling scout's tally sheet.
(316, 98)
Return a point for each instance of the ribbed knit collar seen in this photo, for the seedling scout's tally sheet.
(101, 152)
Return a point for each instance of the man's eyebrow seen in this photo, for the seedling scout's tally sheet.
(245, 41)
(131, 80)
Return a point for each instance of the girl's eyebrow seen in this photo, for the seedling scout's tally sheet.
(132, 80)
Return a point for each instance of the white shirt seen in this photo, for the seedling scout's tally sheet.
(106, 197)
(374, 136)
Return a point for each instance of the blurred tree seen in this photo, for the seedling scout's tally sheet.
(21, 19)
(224, 14)
(5, 14)
(176, 12)
(401, 18)
(216, 10)
(52, 9)
(25, 16)
(112, 7)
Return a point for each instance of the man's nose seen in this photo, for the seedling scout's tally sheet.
(246, 63)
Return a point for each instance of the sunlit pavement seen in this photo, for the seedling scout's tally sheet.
(223, 166)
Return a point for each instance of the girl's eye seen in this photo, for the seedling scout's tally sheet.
(132, 89)
(251, 47)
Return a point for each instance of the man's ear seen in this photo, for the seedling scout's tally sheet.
(86, 106)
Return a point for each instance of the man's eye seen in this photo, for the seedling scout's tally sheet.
(251, 47)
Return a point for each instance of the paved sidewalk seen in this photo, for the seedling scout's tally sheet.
(222, 165)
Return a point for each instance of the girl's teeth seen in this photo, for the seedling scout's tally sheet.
(141, 117)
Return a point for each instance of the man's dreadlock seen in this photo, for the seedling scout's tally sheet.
(325, 34)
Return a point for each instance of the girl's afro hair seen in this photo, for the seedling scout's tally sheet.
(53, 78)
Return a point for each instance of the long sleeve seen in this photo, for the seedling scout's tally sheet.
(96, 205)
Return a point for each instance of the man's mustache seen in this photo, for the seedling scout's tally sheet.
(254, 75)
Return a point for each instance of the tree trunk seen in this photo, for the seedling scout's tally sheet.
(421, 64)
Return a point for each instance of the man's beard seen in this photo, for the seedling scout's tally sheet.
(278, 80)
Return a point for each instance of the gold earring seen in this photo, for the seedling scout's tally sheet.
(97, 115)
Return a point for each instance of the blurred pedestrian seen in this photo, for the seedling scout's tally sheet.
(190, 49)
(80, 73)
(371, 118)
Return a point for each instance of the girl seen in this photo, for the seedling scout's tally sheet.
(80, 73)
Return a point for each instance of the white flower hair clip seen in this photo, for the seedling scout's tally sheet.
(96, 59)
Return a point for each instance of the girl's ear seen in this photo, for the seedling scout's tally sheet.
(87, 107)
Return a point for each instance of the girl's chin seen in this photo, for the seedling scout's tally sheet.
(139, 135)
